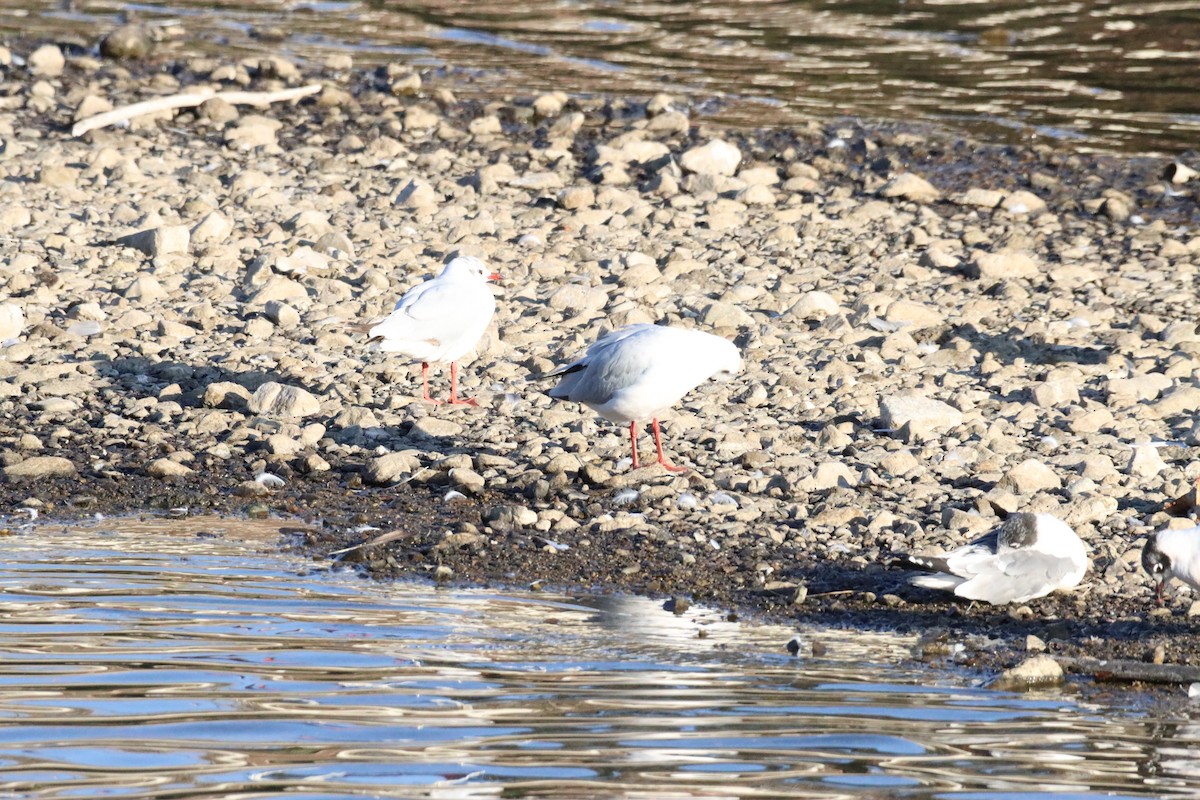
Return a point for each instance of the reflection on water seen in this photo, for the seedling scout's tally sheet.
(160, 660)
(1103, 74)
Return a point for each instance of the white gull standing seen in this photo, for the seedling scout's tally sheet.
(1173, 554)
(441, 320)
(638, 372)
(1025, 556)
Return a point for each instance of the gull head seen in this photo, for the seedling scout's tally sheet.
(470, 267)
(727, 360)
(1158, 565)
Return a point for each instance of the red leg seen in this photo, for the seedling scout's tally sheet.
(661, 458)
(454, 400)
(633, 443)
(425, 385)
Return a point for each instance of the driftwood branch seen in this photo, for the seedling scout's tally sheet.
(188, 100)
(1120, 670)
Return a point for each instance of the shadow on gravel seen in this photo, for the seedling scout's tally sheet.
(1013, 344)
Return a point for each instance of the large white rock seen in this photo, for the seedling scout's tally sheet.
(718, 157)
(918, 411)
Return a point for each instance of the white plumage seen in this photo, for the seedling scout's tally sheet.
(441, 320)
(1026, 556)
(638, 372)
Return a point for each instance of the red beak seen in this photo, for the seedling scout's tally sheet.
(1158, 592)
(495, 276)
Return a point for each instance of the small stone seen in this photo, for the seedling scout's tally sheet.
(145, 288)
(47, 61)
(1022, 202)
(917, 410)
(227, 395)
(467, 480)
(218, 110)
(40, 467)
(283, 315)
(408, 83)
(390, 468)
(720, 314)
(1034, 645)
(434, 428)
(1005, 265)
(283, 445)
(252, 131)
(159, 241)
(1039, 670)
(981, 198)
(550, 105)
(416, 194)
(910, 187)
(166, 468)
(1145, 461)
(1055, 393)
(815, 305)
(278, 400)
(575, 197)
(215, 227)
(718, 157)
(127, 42)
(1029, 477)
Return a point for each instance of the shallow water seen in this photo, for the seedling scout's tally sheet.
(1097, 74)
(193, 659)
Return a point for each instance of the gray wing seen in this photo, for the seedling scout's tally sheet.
(605, 368)
(1016, 576)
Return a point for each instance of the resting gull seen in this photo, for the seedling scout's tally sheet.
(1025, 556)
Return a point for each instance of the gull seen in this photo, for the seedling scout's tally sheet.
(441, 320)
(1173, 554)
(1025, 556)
(639, 371)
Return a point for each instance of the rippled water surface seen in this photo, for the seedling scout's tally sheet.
(193, 659)
(1100, 74)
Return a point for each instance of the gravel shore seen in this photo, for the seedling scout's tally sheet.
(933, 329)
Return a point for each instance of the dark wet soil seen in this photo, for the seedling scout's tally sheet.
(426, 538)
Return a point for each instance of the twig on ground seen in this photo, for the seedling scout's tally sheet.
(188, 100)
(1120, 670)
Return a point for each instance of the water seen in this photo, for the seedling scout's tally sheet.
(1094, 75)
(193, 659)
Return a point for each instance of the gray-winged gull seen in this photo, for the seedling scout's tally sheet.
(1025, 556)
(639, 371)
(1173, 554)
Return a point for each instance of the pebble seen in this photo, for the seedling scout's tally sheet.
(47, 61)
(1037, 671)
(278, 400)
(910, 187)
(1004, 265)
(159, 241)
(36, 467)
(127, 42)
(166, 468)
(915, 410)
